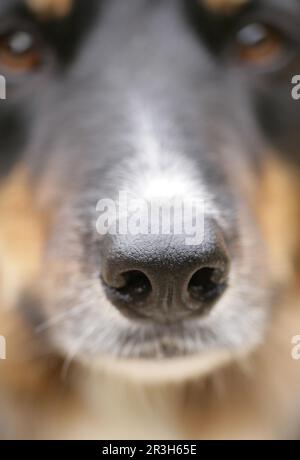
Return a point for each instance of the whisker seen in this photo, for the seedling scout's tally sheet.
(60, 317)
(71, 356)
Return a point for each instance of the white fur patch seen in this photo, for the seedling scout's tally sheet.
(159, 170)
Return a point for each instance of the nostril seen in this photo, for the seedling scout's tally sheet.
(207, 284)
(135, 287)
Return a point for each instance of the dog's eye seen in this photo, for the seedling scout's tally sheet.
(20, 51)
(259, 44)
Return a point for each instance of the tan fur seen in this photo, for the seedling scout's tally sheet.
(224, 6)
(257, 397)
(22, 232)
(254, 397)
(50, 8)
(279, 216)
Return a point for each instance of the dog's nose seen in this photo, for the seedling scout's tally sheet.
(161, 278)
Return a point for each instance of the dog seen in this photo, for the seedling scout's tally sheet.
(141, 335)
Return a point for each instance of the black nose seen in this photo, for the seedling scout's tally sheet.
(161, 278)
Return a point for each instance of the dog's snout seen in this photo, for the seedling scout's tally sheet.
(161, 278)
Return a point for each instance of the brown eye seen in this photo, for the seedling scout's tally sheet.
(20, 51)
(259, 44)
